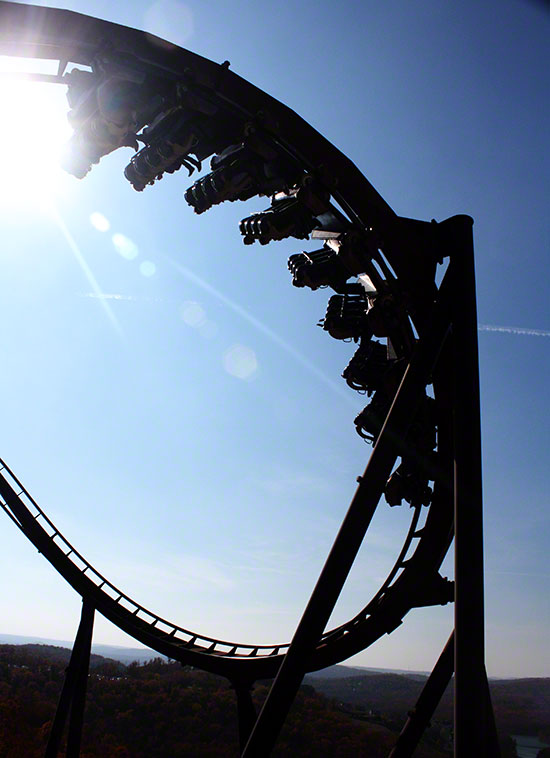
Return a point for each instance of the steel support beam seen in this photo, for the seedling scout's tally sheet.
(350, 536)
(419, 717)
(246, 711)
(73, 694)
(473, 735)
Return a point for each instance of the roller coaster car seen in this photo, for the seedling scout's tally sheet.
(346, 316)
(420, 439)
(293, 214)
(177, 138)
(107, 111)
(385, 315)
(407, 483)
(422, 434)
(253, 167)
(370, 421)
(319, 268)
(368, 366)
(343, 255)
(115, 105)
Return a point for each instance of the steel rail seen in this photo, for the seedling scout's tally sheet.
(383, 613)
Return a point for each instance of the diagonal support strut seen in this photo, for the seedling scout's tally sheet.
(73, 694)
(351, 534)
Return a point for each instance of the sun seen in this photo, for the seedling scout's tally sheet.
(33, 130)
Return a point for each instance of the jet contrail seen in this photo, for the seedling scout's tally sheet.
(129, 298)
(513, 330)
(519, 573)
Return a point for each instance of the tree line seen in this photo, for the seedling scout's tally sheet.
(161, 709)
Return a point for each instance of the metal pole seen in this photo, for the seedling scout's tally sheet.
(72, 686)
(428, 701)
(348, 540)
(74, 736)
(493, 744)
(246, 711)
(471, 704)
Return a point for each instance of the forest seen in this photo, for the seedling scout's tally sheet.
(161, 709)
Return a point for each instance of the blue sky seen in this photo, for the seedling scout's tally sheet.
(166, 395)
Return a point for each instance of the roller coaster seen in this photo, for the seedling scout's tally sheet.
(177, 109)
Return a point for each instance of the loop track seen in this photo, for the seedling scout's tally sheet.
(400, 260)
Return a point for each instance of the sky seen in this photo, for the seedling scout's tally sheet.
(166, 395)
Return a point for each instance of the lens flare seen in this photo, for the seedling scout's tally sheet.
(147, 268)
(240, 361)
(100, 222)
(125, 246)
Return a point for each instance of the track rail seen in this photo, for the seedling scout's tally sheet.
(401, 263)
(398, 594)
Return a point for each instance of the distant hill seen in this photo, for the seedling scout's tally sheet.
(27, 655)
(118, 653)
(522, 706)
(143, 654)
(393, 694)
(344, 672)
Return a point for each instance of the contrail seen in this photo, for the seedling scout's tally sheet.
(513, 330)
(129, 298)
(86, 269)
(519, 573)
(261, 327)
(242, 312)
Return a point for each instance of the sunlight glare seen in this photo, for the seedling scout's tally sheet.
(100, 222)
(33, 129)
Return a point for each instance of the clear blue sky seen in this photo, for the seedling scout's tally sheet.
(190, 433)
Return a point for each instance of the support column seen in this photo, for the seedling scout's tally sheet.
(419, 717)
(73, 694)
(245, 710)
(472, 717)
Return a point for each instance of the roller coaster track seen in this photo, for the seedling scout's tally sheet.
(383, 613)
(327, 197)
